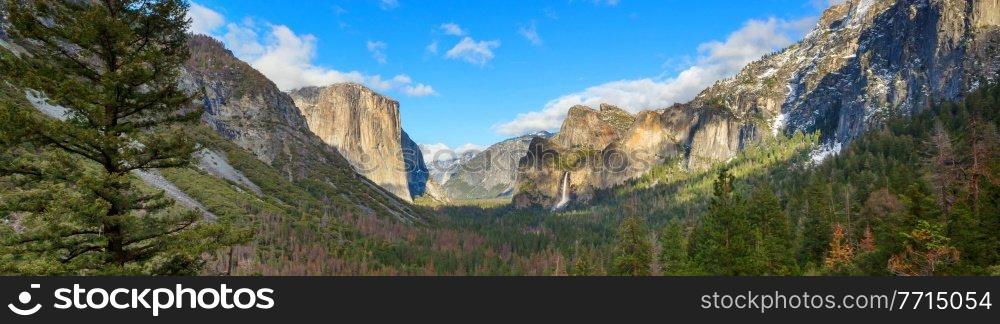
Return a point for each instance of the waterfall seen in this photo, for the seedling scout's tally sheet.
(564, 197)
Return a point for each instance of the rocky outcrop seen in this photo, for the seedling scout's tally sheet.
(604, 148)
(866, 60)
(217, 165)
(363, 125)
(539, 175)
(718, 137)
(588, 153)
(240, 103)
(658, 135)
(248, 109)
(492, 172)
(595, 129)
(434, 191)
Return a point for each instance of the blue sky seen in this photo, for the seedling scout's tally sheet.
(471, 73)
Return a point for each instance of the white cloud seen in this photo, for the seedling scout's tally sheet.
(468, 49)
(388, 4)
(469, 147)
(204, 20)
(286, 58)
(377, 48)
(430, 150)
(419, 90)
(452, 29)
(472, 51)
(530, 32)
(441, 152)
(717, 60)
(402, 83)
(823, 4)
(242, 38)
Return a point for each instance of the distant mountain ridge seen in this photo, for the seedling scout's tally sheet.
(491, 173)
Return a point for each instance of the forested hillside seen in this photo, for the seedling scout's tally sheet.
(918, 196)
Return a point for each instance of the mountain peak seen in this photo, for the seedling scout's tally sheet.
(341, 87)
(541, 133)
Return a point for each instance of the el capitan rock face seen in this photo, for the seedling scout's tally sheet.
(364, 126)
(865, 60)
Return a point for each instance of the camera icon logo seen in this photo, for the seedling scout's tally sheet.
(24, 298)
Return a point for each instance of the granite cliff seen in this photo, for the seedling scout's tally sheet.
(364, 126)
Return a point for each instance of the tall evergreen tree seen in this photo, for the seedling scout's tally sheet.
(633, 255)
(722, 243)
(773, 237)
(673, 256)
(585, 264)
(114, 66)
(817, 221)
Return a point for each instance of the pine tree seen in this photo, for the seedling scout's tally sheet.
(633, 255)
(818, 215)
(114, 65)
(722, 243)
(673, 256)
(927, 250)
(585, 264)
(773, 238)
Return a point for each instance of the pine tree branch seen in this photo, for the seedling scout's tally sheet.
(71, 148)
(160, 234)
(80, 252)
(66, 235)
(89, 73)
